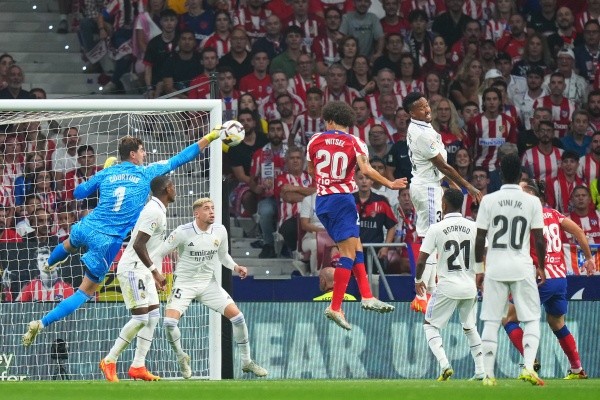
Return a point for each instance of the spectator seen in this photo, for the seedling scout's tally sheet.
(306, 77)
(591, 12)
(348, 49)
(480, 179)
(468, 111)
(587, 55)
(88, 29)
(32, 139)
(14, 84)
(364, 120)
(285, 108)
(280, 83)
(25, 184)
(487, 55)
(281, 8)
(466, 85)
(238, 58)
(529, 138)
(432, 9)
(7, 233)
(433, 87)
(391, 195)
(408, 81)
(593, 108)
(305, 20)
(247, 101)
(13, 159)
(325, 45)
(515, 39)
(450, 24)
(227, 92)
(388, 104)
(64, 158)
(406, 232)
(32, 203)
(287, 61)
(498, 24)
(376, 218)
(159, 49)
(310, 121)
(257, 82)
(562, 108)
(480, 10)
(336, 86)
(365, 26)
(577, 140)
(398, 163)
(439, 64)
(535, 54)
(544, 20)
(589, 165)
(575, 85)
(379, 142)
(273, 43)
(320, 6)
(517, 85)
(201, 84)
(311, 225)
(418, 39)
(65, 7)
(268, 163)
(507, 107)
(86, 159)
(146, 27)
(219, 39)
(444, 120)
(463, 165)
(252, 17)
(359, 77)
(244, 201)
(326, 285)
(585, 214)
(386, 84)
(198, 20)
(535, 90)
(66, 218)
(394, 47)
(558, 191)
(392, 22)
(45, 190)
(566, 34)
(291, 187)
(468, 46)
(544, 159)
(6, 60)
(490, 130)
(183, 66)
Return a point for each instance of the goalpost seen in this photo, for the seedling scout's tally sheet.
(72, 348)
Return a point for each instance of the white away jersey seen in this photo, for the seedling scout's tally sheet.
(454, 239)
(509, 215)
(153, 221)
(424, 143)
(200, 252)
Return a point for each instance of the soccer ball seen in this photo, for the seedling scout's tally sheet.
(232, 133)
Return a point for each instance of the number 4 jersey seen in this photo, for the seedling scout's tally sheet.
(334, 154)
(454, 239)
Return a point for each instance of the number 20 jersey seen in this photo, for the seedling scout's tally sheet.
(334, 154)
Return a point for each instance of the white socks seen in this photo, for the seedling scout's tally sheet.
(434, 340)
(144, 339)
(240, 336)
(476, 350)
(489, 344)
(173, 335)
(531, 342)
(128, 332)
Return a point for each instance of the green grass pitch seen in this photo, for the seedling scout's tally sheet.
(299, 389)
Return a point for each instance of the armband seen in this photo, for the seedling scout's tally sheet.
(479, 268)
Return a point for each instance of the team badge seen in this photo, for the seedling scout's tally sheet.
(153, 226)
(216, 242)
(564, 113)
(171, 238)
(143, 295)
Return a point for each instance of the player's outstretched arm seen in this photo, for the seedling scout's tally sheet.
(569, 226)
(86, 188)
(450, 173)
(213, 135)
(368, 170)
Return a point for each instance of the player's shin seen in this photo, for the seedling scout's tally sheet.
(126, 335)
(360, 274)
(66, 307)
(173, 335)
(434, 340)
(515, 334)
(240, 335)
(531, 342)
(341, 277)
(58, 255)
(489, 345)
(144, 339)
(476, 349)
(567, 343)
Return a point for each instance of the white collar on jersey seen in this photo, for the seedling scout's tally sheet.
(160, 204)
(200, 231)
(418, 122)
(511, 186)
(453, 215)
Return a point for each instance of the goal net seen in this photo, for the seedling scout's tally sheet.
(47, 148)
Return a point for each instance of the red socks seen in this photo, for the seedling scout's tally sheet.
(516, 338)
(360, 274)
(570, 348)
(341, 276)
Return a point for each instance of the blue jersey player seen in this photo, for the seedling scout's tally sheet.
(124, 189)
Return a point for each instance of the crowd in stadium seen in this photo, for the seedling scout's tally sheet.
(502, 77)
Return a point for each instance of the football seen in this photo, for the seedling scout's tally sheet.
(232, 133)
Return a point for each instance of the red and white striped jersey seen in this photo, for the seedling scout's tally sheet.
(269, 107)
(115, 8)
(255, 25)
(305, 127)
(347, 95)
(333, 154)
(373, 102)
(230, 105)
(216, 42)
(561, 114)
(288, 210)
(558, 192)
(589, 168)
(310, 27)
(555, 266)
(298, 85)
(581, 19)
(13, 170)
(590, 224)
(325, 50)
(72, 179)
(7, 198)
(432, 8)
(494, 29)
(403, 88)
(362, 131)
(268, 164)
(49, 200)
(488, 135)
(543, 166)
(34, 291)
(479, 10)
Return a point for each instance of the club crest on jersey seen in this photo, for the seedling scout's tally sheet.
(191, 244)
(171, 238)
(432, 146)
(501, 128)
(153, 226)
(216, 242)
(593, 222)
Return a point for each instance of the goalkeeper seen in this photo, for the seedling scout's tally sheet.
(124, 189)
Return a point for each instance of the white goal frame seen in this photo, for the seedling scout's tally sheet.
(215, 109)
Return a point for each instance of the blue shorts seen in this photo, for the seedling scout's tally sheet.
(337, 213)
(101, 249)
(553, 296)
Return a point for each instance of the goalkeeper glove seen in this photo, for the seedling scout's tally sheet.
(214, 134)
(110, 161)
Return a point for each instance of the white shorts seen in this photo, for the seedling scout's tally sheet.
(428, 204)
(440, 308)
(210, 293)
(138, 288)
(525, 295)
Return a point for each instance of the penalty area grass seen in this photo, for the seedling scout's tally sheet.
(309, 389)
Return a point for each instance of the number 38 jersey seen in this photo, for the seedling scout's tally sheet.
(334, 154)
(454, 239)
(555, 257)
(508, 215)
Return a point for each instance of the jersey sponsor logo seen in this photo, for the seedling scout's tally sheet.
(491, 142)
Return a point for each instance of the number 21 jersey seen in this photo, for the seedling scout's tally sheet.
(334, 154)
